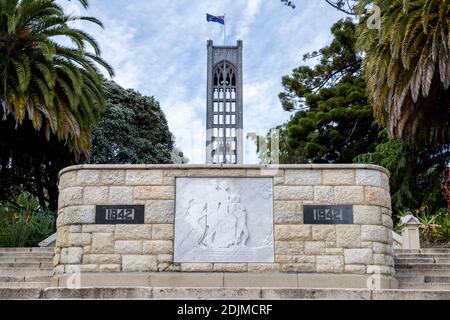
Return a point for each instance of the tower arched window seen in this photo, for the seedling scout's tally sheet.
(224, 113)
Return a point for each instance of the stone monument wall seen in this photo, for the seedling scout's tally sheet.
(362, 248)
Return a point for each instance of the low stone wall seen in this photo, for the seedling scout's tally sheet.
(361, 249)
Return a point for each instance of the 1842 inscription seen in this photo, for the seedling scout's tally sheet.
(125, 214)
(328, 214)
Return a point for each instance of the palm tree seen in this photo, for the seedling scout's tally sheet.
(55, 86)
(407, 66)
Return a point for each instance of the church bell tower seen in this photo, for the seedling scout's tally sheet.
(224, 108)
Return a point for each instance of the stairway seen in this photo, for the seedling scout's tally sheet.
(427, 269)
(26, 267)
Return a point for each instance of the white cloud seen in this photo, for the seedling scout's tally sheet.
(159, 48)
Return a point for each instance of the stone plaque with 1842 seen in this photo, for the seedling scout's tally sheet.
(120, 214)
(327, 214)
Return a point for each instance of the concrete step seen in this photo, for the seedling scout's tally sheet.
(26, 260)
(26, 250)
(26, 255)
(43, 284)
(426, 251)
(415, 272)
(37, 265)
(419, 279)
(423, 256)
(423, 266)
(437, 279)
(413, 260)
(25, 271)
(221, 293)
(425, 286)
(21, 278)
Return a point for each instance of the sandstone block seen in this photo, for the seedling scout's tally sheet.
(216, 172)
(102, 259)
(289, 247)
(230, 267)
(98, 228)
(366, 215)
(284, 258)
(374, 233)
(109, 267)
(79, 239)
(79, 215)
(338, 177)
(81, 268)
(304, 259)
(331, 264)
(62, 237)
(70, 197)
(263, 267)
(324, 233)
(292, 232)
(133, 232)
(139, 263)
(298, 267)
(88, 177)
(159, 211)
(170, 175)
(385, 182)
(144, 177)
(293, 193)
(315, 247)
(349, 195)
(154, 193)
(377, 196)
(158, 247)
(75, 229)
(358, 256)
(121, 195)
(303, 177)
(196, 267)
(323, 194)
(166, 258)
(348, 236)
(112, 177)
(162, 232)
(379, 259)
(387, 221)
(334, 251)
(71, 255)
(368, 178)
(379, 248)
(379, 269)
(286, 212)
(102, 243)
(128, 246)
(96, 195)
(352, 268)
(67, 180)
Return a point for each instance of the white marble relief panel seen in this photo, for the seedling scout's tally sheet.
(224, 220)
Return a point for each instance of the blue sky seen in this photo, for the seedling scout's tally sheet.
(159, 48)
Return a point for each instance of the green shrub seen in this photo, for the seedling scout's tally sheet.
(443, 220)
(25, 224)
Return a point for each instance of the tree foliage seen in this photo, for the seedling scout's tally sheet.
(416, 176)
(407, 67)
(50, 97)
(55, 87)
(333, 122)
(133, 130)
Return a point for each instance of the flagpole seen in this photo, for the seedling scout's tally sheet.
(224, 30)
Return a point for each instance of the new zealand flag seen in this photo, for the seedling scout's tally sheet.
(218, 19)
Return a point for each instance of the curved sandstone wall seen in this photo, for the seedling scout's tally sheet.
(364, 247)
